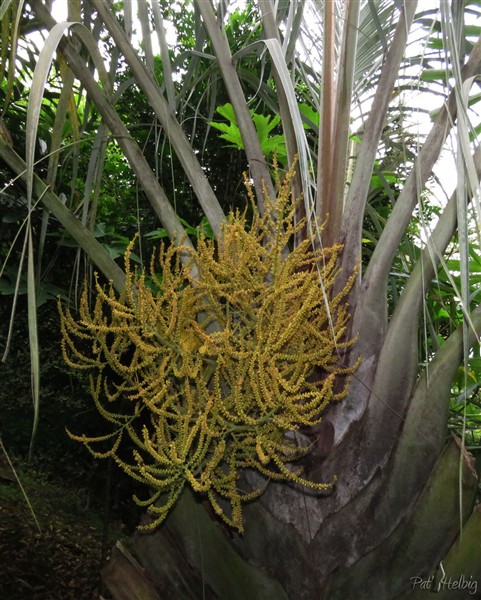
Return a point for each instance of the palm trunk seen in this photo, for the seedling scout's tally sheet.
(194, 556)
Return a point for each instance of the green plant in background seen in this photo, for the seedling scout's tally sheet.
(222, 393)
(264, 124)
(272, 144)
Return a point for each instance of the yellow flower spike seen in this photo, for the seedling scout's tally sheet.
(152, 499)
(161, 511)
(188, 341)
(211, 376)
(231, 522)
(196, 485)
(87, 441)
(260, 453)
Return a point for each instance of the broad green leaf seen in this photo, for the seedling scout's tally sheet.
(231, 134)
(264, 125)
(436, 75)
(310, 114)
(157, 234)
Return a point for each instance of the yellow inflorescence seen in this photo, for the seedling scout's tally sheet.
(203, 378)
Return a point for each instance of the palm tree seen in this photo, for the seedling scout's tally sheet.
(403, 507)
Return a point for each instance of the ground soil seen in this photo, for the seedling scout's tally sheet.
(62, 559)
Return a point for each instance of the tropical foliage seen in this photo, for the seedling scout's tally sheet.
(104, 137)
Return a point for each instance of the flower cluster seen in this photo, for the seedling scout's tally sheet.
(204, 377)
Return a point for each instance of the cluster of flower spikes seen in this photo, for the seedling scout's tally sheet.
(216, 369)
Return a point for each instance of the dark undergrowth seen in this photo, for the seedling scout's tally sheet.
(61, 560)
(82, 505)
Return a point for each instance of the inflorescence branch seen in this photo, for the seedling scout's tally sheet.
(206, 377)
